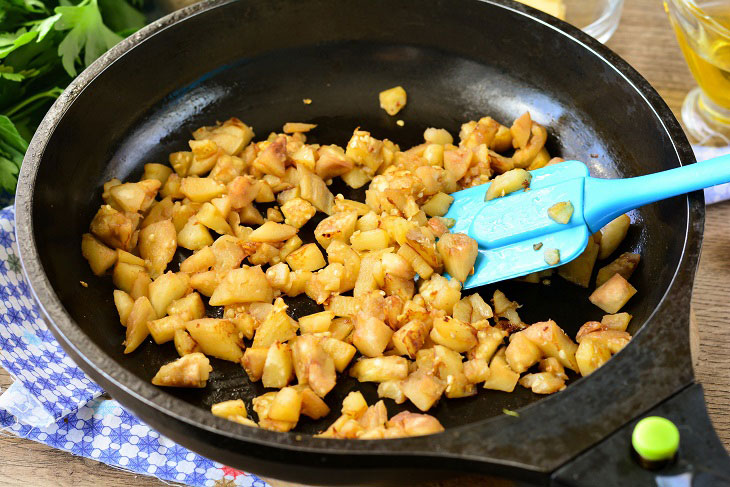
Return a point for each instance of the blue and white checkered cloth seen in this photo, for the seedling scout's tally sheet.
(52, 401)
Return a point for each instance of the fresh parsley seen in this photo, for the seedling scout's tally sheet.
(43, 45)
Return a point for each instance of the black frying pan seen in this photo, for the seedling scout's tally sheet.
(458, 61)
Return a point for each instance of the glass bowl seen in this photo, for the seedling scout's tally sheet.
(597, 18)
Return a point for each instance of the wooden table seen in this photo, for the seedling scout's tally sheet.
(645, 40)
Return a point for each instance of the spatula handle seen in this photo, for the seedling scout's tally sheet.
(605, 199)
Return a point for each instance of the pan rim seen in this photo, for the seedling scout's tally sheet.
(63, 325)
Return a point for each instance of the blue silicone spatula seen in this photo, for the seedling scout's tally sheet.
(510, 229)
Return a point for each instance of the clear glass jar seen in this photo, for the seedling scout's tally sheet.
(598, 18)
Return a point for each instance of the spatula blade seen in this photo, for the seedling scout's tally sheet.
(514, 231)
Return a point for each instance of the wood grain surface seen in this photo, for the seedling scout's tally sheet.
(645, 40)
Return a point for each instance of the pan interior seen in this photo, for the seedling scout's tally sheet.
(343, 80)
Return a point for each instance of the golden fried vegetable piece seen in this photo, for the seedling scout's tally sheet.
(316, 322)
(286, 406)
(409, 339)
(242, 190)
(253, 362)
(371, 335)
(306, 258)
(591, 355)
(589, 327)
(245, 285)
(520, 130)
(312, 365)
(231, 136)
(341, 329)
(457, 162)
(194, 235)
(272, 159)
(332, 162)
(167, 288)
(524, 156)
(99, 256)
(184, 343)
(521, 353)
(553, 342)
(159, 172)
(509, 182)
(438, 204)
(114, 228)
(340, 351)
(188, 308)
(278, 369)
(262, 405)
(189, 371)
(132, 279)
(134, 197)
(501, 376)
(391, 389)
(127, 258)
(437, 136)
(218, 338)
(441, 293)
(613, 234)
(315, 190)
(312, 405)
(453, 334)
(277, 327)
(124, 304)
(376, 239)
(297, 212)
(480, 310)
(142, 312)
(414, 424)
(552, 256)
(618, 321)
(272, 232)
(613, 294)
(233, 410)
(200, 190)
(163, 329)
(380, 369)
(459, 253)
(211, 217)
(157, 245)
(354, 405)
(561, 212)
(393, 100)
(339, 226)
(624, 265)
(543, 383)
(205, 155)
(476, 370)
(160, 210)
(423, 389)
(579, 270)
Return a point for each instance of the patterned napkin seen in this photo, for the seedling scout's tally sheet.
(53, 402)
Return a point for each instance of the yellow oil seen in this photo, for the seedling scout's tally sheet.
(708, 55)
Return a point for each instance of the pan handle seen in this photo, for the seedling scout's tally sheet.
(701, 461)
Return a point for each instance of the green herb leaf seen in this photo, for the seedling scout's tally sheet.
(121, 17)
(10, 42)
(12, 149)
(9, 73)
(44, 26)
(509, 412)
(87, 33)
